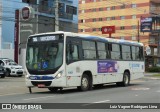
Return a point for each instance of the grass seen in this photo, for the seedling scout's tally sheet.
(156, 75)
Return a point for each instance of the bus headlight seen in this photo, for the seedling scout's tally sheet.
(59, 75)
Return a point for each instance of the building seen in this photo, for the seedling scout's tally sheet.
(125, 16)
(41, 16)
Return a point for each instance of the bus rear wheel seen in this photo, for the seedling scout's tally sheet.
(126, 80)
(85, 83)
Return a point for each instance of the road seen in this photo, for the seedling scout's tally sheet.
(145, 90)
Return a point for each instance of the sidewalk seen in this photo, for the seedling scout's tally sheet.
(150, 75)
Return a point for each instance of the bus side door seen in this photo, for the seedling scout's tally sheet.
(73, 57)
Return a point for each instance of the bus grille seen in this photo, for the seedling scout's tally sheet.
(46, 83)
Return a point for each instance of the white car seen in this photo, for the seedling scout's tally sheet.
(12, 68)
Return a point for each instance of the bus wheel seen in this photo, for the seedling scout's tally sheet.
(84, 83)
(126, 80)
(53, 89)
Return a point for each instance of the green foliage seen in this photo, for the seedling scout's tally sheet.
(153, 69)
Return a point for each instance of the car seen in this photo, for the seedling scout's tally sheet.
(2, 72)
(12, 68)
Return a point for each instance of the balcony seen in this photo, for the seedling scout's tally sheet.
(66, 16)
(51, 11)
(155, 7)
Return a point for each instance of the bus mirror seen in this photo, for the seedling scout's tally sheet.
(71, 48)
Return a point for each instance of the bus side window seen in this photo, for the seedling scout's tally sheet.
(72, 53)
(141, 53)
(115, 51)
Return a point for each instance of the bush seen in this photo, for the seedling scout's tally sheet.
(153, 69)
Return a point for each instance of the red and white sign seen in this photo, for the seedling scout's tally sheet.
(108, 29)
(26, 13)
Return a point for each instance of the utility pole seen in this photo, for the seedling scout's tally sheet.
(138, 32)
(37, 6)
(56, 16)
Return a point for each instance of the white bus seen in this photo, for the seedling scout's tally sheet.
(59, 60)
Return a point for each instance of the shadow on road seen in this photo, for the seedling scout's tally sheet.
(75, 90)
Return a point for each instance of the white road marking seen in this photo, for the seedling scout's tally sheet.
(140, 88)
(136, 95)
(96, 102)
(102, 101)
(38, 98)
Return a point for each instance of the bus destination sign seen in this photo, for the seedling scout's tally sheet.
(44, 38)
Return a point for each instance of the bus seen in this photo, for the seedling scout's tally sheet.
(58, 60)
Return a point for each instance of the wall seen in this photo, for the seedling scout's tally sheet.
(7, 53)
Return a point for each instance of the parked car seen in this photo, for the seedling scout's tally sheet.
(2, 72)
(12, 68)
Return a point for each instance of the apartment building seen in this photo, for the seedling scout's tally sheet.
(125, 15)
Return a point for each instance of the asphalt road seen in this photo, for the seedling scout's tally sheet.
(145, 90)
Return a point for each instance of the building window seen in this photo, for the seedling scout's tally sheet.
(134, 27)
(94, 29)
(133, 38)
(82, 20)
(94, 20)
(108, 8)
(83, 11)
(81, 30)
(93, 10)
(112, 18)
(100, 29)
(122, 6)
(122, 17)
(100, 9)
(134, 17)
(133, 5)
(123, 38)
(113, 8)
(83, 1)
(108, 18)
(100, 19)
(122, 28)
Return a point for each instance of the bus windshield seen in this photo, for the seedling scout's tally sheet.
(44, 57)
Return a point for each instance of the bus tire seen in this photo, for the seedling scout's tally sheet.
(53, 89)
(126, 80)
(85, 83)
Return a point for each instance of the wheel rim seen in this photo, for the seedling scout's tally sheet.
(84, 82)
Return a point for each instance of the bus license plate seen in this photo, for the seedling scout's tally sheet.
(41, 85)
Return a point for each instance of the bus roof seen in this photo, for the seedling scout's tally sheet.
(90, 37)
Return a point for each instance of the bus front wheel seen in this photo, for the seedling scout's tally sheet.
(126, 80)
(84, 83)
